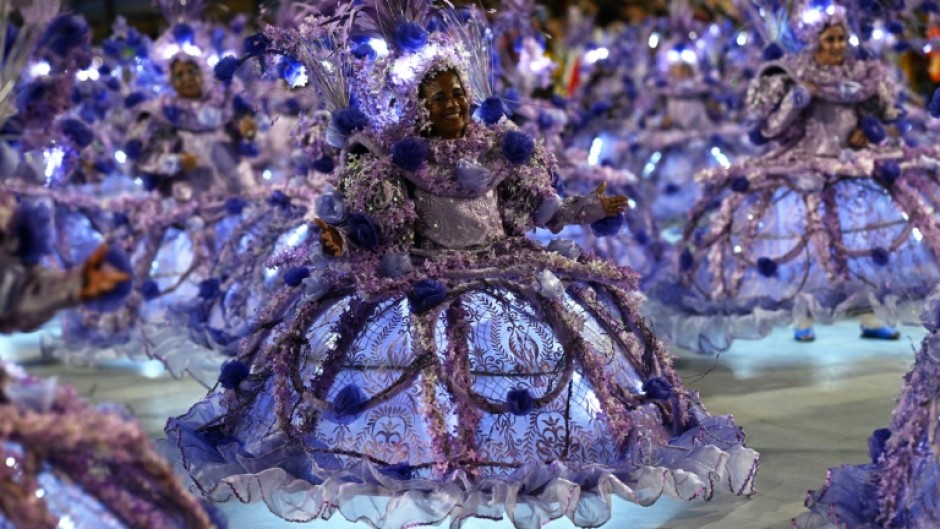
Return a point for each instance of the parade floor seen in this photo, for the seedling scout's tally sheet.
(805, 407)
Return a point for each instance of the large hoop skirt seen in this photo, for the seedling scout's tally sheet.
(508, 381)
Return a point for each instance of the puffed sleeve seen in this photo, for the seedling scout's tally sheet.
(528, 198)
(379, 211)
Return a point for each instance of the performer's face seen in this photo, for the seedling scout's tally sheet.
(681, 71)
(447, 102)
(186, 79)
(832, 43)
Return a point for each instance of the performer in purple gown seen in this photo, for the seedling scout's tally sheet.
(813, 229)
(441, 364)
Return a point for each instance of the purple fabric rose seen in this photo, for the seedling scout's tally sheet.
(880, 256)
(362, 231)
(686, 261)
(209, 288)
(295, 276)
(347, 405)
(291, 70)
(426, 294)
(349, 120)
(77, 132)
(363, 50)
(410, 153)
(517, 147)
(888, 172)
(641, 237)
(599, 108)
(113, 300)
(133, 149)
(32, 227)
(519, 401)
(64, 33)
(324, 164)
(235, 205)
(150, 289)
(740, 184)
(873, 129)
(331, 208)
(183, 33)
(248, 149)
(172, 113)
(772, 52)
(876, 443)
(934, 106)
(279, 199)
(757, 137)
(658, 388)
(242, 106)
(410, 37)
(545, 121)
(767, 267)
(491, 110)
(256, 44)
(608, 225)
(225, 69)
(133, 99)
(233, 373)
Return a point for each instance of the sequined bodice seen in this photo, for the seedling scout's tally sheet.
(828, 128)
(457, 223)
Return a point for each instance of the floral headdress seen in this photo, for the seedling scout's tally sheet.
(810, 17)
(424, 41)
(368, 62)
(186, 38)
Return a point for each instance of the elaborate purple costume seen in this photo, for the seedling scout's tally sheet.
(813, 228)
(445, 365)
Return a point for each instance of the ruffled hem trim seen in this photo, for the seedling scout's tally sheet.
(530, 497)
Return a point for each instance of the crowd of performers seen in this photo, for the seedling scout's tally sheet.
(428, 259)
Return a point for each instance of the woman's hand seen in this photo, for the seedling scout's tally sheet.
(612, 205)
(330, 239)
(97, 277)
(189, 161)
(858, 140)
(247, 127)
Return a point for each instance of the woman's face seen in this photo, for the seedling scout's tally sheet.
(681, 71)
(831, 50)
(186, 79)
(447, 103)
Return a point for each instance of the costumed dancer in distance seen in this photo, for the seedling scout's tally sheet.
(808, 230)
